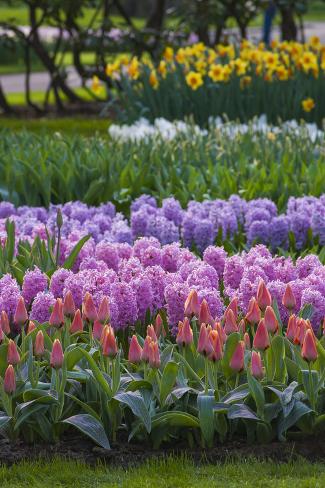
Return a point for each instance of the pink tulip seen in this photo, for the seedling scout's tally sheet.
(256, 366)
(223, 336)
(21, 315)
(233, 305)
(309, 348)
(13, 356)
(89, 309)
(247, 341)
(9, 382)
(4, 322)
(301, 329)
(104, 311)
(154, 356)
(98, 330)
(230, 322)
(77, 323)
(237, 360)
(271, 322)
(39, 348)
(159, 326)
(109, 344)
(253, 315)
(204, 345)
(57, 318)
(216, 354)
(185, 333)
(192, 304)
(56, 359)
(2, 335)
(31, 327)
(261, 340)
(292, 327)
(135, 350)
(145, 350)
(204, 313)
(151, 333)
(242, 326)
(288, 299)
(69, 307)
(263, 295)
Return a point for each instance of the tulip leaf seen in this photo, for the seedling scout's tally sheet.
(230, 347)
(97, 373)
(306, 312)
(4, 420)
(278, 356)
(175, 419)
(206, 405)
(257, 393)
(299, 409)
(90, 426)
(71, 259)
(238, 393)
(241, 411)
(168, 380)
(136, 403)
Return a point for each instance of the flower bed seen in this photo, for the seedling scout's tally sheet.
(284, 82)
(247, 375)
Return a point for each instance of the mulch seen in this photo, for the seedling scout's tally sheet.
(124, 454)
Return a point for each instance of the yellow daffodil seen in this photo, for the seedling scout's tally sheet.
(194, 80)
(153, 80)
(134, 69)
(96, 85)
(308, 104)
(162, 69)
(216, 72)
(245, 81)
(168, 54)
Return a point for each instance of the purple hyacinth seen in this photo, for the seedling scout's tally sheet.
(34, 282)
(41, 307)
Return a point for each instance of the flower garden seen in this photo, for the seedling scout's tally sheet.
(163, 284)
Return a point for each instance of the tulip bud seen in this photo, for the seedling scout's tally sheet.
(253, 315)
(264, 298)
(270, 319)
(104, 311)
(4, 322)
(242, 326)
(89, 309)
(69, 307)
(77, 323)
(2, 335)
(56, 359)
(109, 345)
(261, 340)
(151, 333)
(256, 366)
(288, 299)
(192, 305)
(216, 354)
(221, 332)
(159, 326)
(21, 315)
(309, 348)
(301, 330)
(230, 322)
(237, 360)
(13, 356)
(204, 345)
(31, 327)
(247, 340)
(233, 305)
(57, 318)
(98, 330)
(154, 356)
(292, 327)
(204, 313)
(145, 350)
(39, 344)
(9, 382)
(185, 333)
(135, 351)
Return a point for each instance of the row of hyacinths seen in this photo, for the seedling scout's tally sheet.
(148, 278)
(198, 226)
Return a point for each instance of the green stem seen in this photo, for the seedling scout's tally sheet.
(206, 382)
(311, 388)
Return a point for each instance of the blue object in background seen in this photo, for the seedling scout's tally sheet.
(269, 15)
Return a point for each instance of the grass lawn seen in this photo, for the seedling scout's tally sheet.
(171, 473)
(38, 96)
(71, 125)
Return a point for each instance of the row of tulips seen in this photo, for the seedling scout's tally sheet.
(243, 376)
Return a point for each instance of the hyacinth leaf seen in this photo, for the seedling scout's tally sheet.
(257, 393)
(206, 405)
(71, 259)
(10, 242)
(91, 427)
(168, 380)
(241, 411)
(230, 347)
(299, 410)
(136, 403)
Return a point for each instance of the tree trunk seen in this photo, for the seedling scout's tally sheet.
(7, 109)
(288, 25)
(156, 19)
